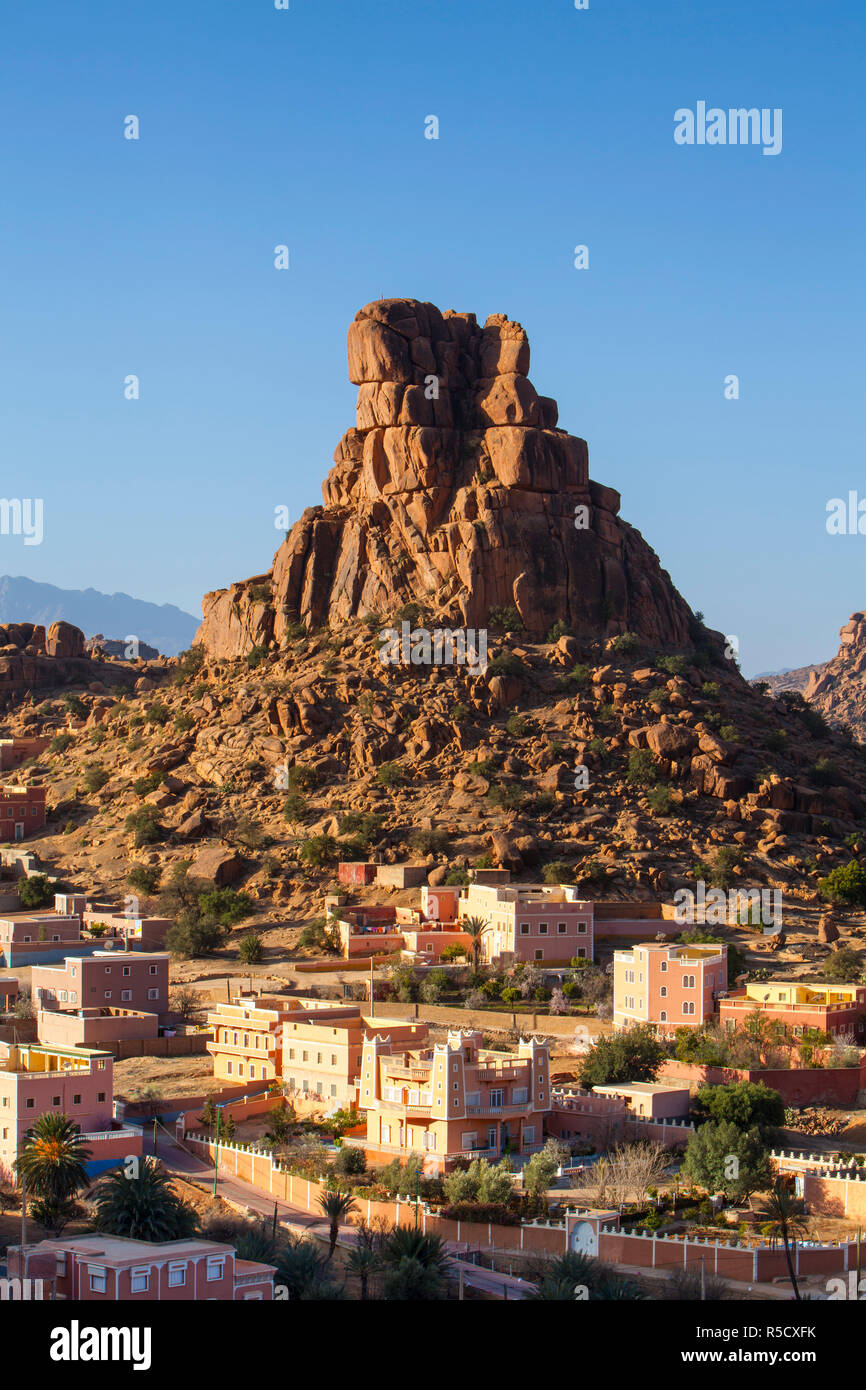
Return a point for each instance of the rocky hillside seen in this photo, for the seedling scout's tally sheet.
(619, 750)
(455, 491)
(795, 679)
(838, 688)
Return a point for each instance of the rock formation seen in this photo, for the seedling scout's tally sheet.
(33, 659)
(838, 688)
(455, 491)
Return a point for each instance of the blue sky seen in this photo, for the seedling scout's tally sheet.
(306, 127)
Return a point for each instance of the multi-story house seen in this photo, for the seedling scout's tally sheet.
(322, 1052)
(140, 933)
(116, 1269)
(113, 979)
(22, 811)
(538, 924)
(37, 1080)
(314, 1045)
(668, 986)
(799, 1006)
(451, 1101)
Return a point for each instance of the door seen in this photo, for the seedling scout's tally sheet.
(584, 1238)
(19, 830)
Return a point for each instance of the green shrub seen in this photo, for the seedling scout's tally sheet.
(95, 779)
(60, 743)
(506, 618)
(517, 726)
(660, 801)
(144, 878)
(506, 664)
(625, 643)
(157, 713)
(390, 775)
(146, 827)
(318, 850)
(642, 771)
(559, 629)
(143, 786)
(674, 665)
(846, 885)
(183, 721)
(251, 949)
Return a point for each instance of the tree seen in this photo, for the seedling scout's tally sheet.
(35, 891)
(363, 1261)
(746, 1104)
(350, 1161)
(633, 1054)
(145, 1207)
(336, 1205)
(251, 948)
(843, 966)
(474, 928)
(281, 1123)
(723, 1158)
(433, 986)
(301, 1269)
(189, 938)
(539, 1172)
(144, 878)
(416, 1266)
(480, 1182)
(52, 1160)
(845, 885)
(186, 1002)
(145, 826)
(787, 1223)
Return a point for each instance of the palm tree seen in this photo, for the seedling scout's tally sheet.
(51, 1164)
(474, 927)
(787, 1222)
(404, 1242)
(300, 1268)
(143, 1208)
(362, 1262)
(336, 1205)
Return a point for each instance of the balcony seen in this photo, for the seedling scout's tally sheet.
(494, 1110)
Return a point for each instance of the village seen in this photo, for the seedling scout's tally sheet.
(524, 1092)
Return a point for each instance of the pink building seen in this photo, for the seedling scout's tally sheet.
(107, 979)
(452, 1101)
(541, 924)
(114, 1269)
(99, 1028)
(139, 933)
(669, 986)
(22, 811)
(8, 993)
(37, 1080)
(357, 874)
(15, 751)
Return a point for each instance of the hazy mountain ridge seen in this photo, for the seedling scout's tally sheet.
(163, 626)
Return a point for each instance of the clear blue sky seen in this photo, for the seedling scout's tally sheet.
(306, 127)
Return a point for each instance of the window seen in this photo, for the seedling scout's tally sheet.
(529, 1134)
(228, 1068)
(215, 1269)
(333, 1091)
(76, 1100)
(519, 1095)
(125, 996)
(28, 1104)
(688, 982)
(663, 1018)
(688, 1008)
(153, 994)
(55, 1100)
(664, 966)
(333, 1059)
(581, 928)
(139, 1280)
(108, 994)
(561, 928)
(127, 970)
(539, 955)
(664, 991)
(151, 970)
(97, 1279)
(100, 1097)
(542, 929)
(176, 1276)
(252, 1071)
(108, 969)
(496, 1098)
(524, 928)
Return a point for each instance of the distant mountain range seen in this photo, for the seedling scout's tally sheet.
(161, 625)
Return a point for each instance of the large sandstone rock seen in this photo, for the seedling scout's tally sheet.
(838, 688)
(456, 490)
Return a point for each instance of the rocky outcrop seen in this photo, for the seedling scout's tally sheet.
(838, 688)
(33, 659)
(455, 491)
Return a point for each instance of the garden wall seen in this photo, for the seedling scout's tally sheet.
(800, 1086)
